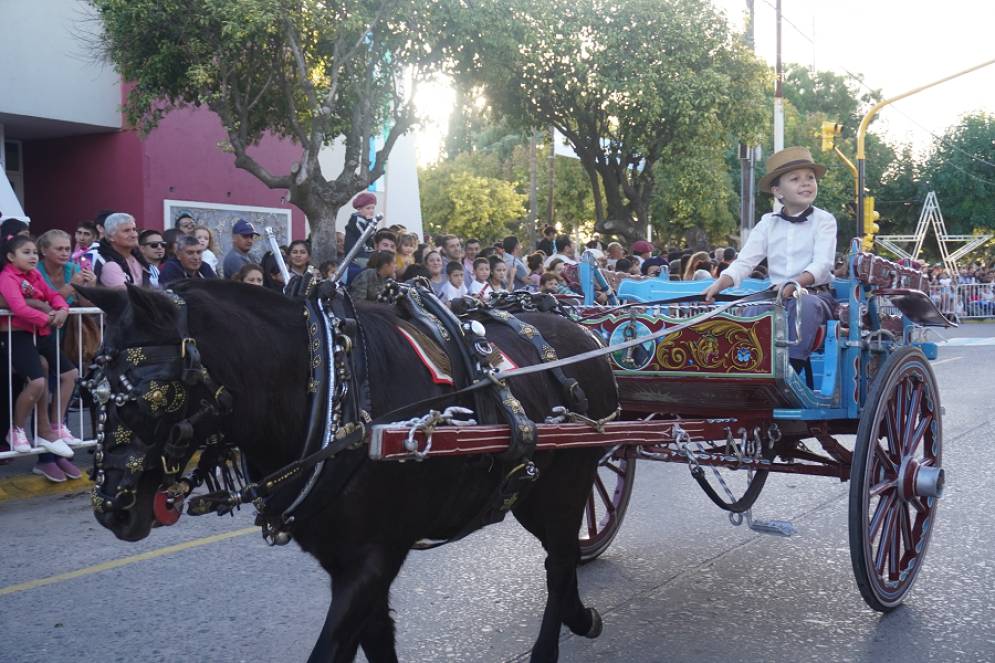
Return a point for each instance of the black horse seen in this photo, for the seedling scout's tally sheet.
(254, 343)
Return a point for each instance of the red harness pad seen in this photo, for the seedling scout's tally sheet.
(435, 360)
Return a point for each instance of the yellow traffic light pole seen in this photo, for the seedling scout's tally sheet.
(862, 134)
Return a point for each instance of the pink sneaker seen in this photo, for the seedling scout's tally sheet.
(50, 471)
(18, 440)
(62, 432)
(67, 467)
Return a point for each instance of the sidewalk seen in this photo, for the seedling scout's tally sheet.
(17, 482)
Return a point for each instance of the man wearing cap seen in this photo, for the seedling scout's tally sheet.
(243, 235)
(799, 243)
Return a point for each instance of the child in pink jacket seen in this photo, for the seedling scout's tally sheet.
(31, 339)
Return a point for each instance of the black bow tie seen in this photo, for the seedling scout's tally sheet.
(796, 219)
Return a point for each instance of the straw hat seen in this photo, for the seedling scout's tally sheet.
(788, 159)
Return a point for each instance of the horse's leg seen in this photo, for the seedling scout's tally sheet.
(553, 513)
(361, 579)
(377, 638)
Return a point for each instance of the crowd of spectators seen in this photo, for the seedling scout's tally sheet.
(113, 252)
(968, 292)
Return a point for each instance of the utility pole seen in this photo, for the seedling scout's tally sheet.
(778, 91)
(778, 97)
(550, 220)
(533, 193)
(747, 161)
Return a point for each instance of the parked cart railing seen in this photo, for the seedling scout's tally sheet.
(77, 420)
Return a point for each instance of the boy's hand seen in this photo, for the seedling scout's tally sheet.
(718, 286)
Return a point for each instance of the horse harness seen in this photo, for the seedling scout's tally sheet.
(339, 406)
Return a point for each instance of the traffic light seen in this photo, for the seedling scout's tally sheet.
(871, 226)
(829, 132)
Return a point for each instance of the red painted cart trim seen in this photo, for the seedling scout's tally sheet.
(387, 442)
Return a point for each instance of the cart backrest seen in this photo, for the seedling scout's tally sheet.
(880, 272)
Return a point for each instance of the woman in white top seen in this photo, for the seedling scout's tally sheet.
(799, 243)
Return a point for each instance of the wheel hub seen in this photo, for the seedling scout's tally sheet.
(916, 480)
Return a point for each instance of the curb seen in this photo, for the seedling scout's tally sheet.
(26, 486)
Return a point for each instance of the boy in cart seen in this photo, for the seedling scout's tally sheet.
(799, 244)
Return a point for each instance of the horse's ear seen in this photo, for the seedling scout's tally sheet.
(112, 301)
(146, 304)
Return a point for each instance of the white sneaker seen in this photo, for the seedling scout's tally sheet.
(57, 447)
(63, 433)
(18, 440)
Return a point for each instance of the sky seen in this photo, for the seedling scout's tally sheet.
(896, 45)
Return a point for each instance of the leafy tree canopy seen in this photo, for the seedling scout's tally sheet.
(458, 202)
(961, 169)
(630, 83)
(309, 70)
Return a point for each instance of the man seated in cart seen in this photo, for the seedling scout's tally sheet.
(799, 243)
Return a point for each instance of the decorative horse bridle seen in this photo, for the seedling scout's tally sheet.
(174, 375)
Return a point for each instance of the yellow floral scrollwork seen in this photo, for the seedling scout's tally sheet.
(683, 352)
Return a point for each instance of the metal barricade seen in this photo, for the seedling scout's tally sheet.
(970, 301)
(76, 422)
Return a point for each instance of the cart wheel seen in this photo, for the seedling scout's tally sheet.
(896, 478)
(607, 502)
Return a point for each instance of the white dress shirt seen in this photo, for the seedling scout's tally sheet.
(790, 248)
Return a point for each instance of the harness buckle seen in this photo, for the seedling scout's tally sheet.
(170, 471)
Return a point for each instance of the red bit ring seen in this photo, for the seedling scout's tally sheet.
(166, 509)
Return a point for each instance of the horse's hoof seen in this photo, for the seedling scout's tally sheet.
(596, 624)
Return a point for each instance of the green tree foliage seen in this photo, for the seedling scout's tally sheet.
(630, 83)
(309, 70)
(481, 143)
(828, 93)
(458, 202)
(960, 169)
(901, 193)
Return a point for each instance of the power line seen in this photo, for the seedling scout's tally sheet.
(789, 22)
(860, 81)
(945, 141)
(969, 174)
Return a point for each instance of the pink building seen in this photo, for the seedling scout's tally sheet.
(67, 153)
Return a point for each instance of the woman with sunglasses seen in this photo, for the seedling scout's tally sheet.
(153, 248)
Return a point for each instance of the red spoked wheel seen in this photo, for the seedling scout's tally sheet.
(896, 479)
(607, 502)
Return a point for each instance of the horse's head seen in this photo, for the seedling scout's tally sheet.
(151, 392)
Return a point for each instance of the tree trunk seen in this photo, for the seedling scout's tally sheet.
(323, 245)
(618, 214)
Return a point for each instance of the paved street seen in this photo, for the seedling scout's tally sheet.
(679, 583)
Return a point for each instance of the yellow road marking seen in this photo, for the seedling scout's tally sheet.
(124, 561)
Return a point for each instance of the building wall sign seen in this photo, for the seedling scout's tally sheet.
(221, 217)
